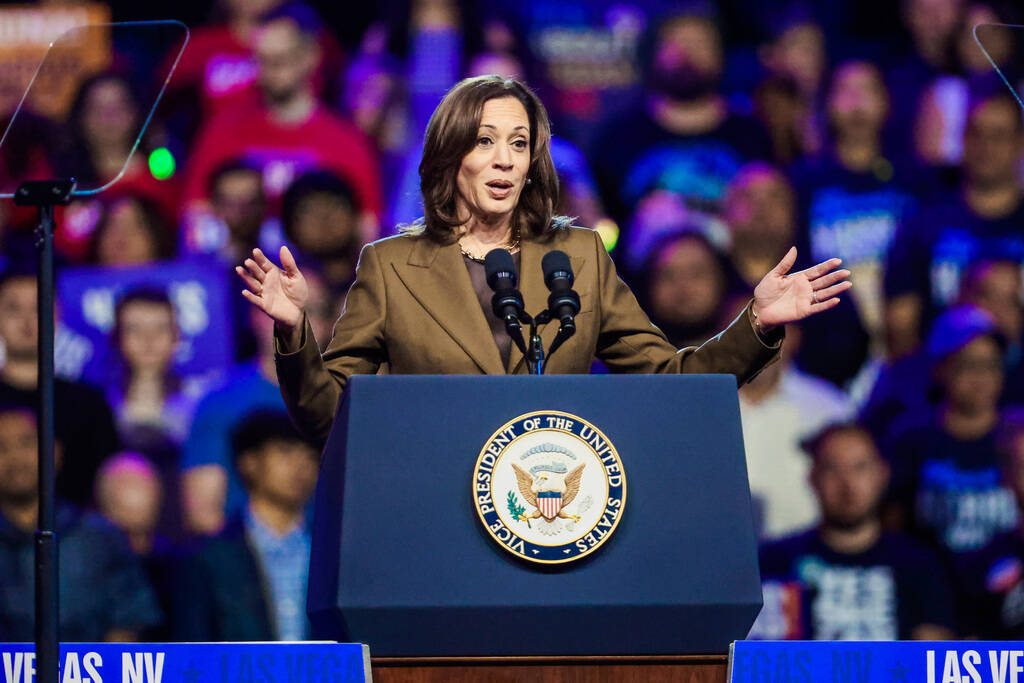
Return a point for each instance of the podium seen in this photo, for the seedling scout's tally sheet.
(402, 562)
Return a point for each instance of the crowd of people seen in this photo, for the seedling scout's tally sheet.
(885, 451)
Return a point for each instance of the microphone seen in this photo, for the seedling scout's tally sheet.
(564, 302)
(507, 302)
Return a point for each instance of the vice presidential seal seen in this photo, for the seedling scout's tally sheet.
(549, 487)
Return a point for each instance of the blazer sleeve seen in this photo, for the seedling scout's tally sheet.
(629, 342)
(311, 383)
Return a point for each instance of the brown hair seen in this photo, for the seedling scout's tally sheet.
(450, 136)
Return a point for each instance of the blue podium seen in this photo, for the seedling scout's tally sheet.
(402, 561)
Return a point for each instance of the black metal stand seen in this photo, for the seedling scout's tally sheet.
(45, 194)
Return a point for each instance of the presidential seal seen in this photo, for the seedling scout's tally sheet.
(549, 487)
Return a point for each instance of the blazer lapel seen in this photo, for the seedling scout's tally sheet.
(535, 294)
(437, 278)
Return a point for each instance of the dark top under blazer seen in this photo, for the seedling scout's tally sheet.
(413, 310)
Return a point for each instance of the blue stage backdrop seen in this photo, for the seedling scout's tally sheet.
(87, 297)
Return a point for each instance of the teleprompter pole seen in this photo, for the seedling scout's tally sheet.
(46, 194)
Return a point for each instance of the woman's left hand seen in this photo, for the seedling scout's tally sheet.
(782, 298)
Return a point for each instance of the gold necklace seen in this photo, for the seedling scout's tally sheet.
(511, 246)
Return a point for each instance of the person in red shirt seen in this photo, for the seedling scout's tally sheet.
(219, 70)
(289, 132)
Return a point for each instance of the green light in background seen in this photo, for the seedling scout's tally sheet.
(609, 232)
(161, 163)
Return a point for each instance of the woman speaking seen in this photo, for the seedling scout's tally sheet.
(420, 303)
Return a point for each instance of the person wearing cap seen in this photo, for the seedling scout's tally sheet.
(946, 479)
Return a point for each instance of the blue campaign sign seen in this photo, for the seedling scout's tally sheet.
(84, 347)
(876, 662)
(195, 663)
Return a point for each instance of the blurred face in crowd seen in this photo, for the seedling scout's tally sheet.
(149, 335)
(799, 54)
(109, 116)
(973, 376)
(250, 10)
(998, 42)
(760, 205)
(126, 238)
(492, 175)
(238, 202)
(129, 494)
(688, 59)
(858, 103)
(19, 322)
(324, 224)
(18, 453)
(993, 141)
(996, 287)
(282, 472)
(287, 60)
(849, 478)
(932, 22)
(687, 285)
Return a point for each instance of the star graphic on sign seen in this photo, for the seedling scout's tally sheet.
(192, 674)
(898, 673)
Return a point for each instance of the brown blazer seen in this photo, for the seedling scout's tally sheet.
(413, 308)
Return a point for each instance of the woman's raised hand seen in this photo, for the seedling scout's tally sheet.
(782, 298)
(281, 293)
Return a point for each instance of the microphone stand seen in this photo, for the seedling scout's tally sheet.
(535, 357)
(45, 194)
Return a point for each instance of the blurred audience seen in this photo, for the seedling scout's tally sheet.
(780, 408)
(130, 232)
(149, 394)
(846, 578)
(681, 137)
(249, 581)
(103, 589)
(691, 290)
(946, 481)
(83, 420)
(289, 131)
(786, 100)
(320, 218)
(932, 250)
(991, 581)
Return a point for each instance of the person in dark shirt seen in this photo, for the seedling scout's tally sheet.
(847, 579)
(850, 201)
(104, 594)
(946, 481)
(991, 581)
(931, 251)
(85, 427)
(995, 285)
(249, 581)
(681, 136)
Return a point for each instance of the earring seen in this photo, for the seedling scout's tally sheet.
(529, 180)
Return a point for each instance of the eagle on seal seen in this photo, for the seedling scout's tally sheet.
(530, 488)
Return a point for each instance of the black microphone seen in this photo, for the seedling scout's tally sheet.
(564, 302)
(507, 302)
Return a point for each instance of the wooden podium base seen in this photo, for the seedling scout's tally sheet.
(660, 669)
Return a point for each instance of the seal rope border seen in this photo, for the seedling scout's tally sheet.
(483, 451)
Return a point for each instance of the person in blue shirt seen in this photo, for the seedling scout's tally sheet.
(249, 581)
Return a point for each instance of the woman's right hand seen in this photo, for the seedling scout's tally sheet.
(281, 293)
